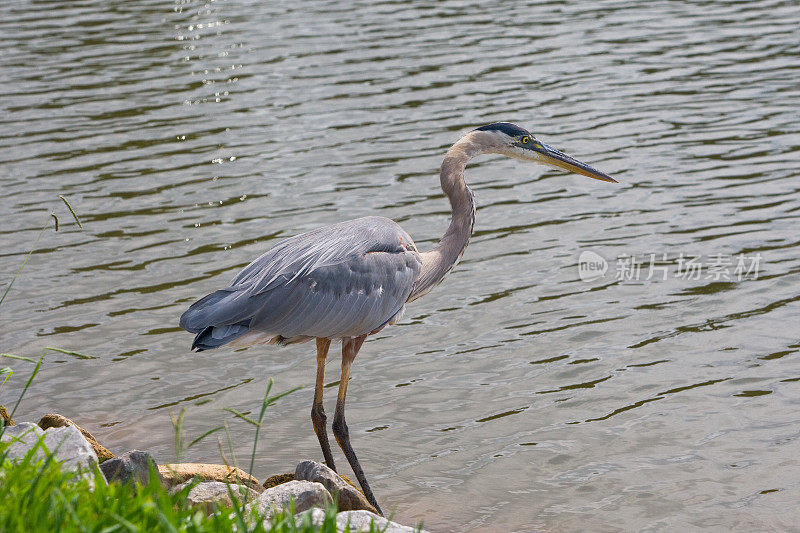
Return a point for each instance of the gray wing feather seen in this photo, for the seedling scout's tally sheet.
(343, 280)
(352, 298)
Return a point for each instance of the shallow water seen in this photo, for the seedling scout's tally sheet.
(191, 136)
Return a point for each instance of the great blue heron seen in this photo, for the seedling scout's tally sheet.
(350, 279)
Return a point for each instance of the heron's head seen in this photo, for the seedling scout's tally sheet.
(511, 140)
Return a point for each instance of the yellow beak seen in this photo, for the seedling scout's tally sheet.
(550, 156)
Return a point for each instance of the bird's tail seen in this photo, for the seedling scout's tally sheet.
(215, 336)
(213, 322)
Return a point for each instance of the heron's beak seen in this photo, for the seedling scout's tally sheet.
(550, 156)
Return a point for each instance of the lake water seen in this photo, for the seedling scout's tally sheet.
(192, 136)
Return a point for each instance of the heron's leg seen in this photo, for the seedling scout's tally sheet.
(350, 347)
(318, 417)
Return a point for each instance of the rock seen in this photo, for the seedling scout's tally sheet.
(72, 449)
(129, 467)
(305, 495)
(22, 437)
(175, 474)
(315, 516)
(361, 520)
(67, 445)
(6, 417)
(357, 520)
(58, 421)
(277, 479)
(347, 497)
(209, 495)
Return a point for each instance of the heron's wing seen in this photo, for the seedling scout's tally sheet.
(328, 245)
(347, 279)
(353, 297)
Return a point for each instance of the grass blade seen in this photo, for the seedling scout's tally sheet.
(27, 385)
(178, 425)
(204, 435)
(70, 352)
(74, 215)
(241, 415)
(230, 446)
(281, 395)
(7, 371)
(23, 263)
(70, 509)
(264, 404)
(21, 358)
(36, 242)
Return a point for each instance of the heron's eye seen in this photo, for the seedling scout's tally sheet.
(525, 140)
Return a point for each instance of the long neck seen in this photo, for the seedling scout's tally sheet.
(439, 261)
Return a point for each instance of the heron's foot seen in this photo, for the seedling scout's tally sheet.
(350, 347)
(331, 466)
(342, 434)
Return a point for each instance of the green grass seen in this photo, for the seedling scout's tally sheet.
(39, 496)
(36, 495)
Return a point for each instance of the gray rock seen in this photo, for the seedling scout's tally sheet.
(305, 495)
(129, 467)
(347, 497)
(209, 494)
(22, 437)
(67, 445)
(357, 521)
(361, 520)
(315, 514)
(71, 448)
(56, 421)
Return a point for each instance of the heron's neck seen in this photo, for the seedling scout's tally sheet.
(439, 261)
